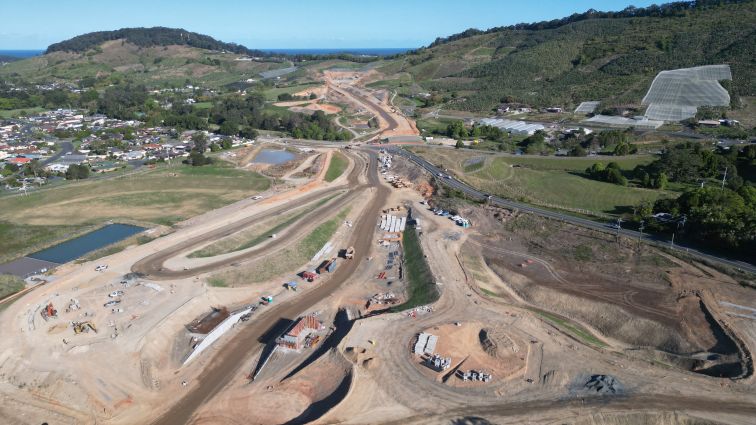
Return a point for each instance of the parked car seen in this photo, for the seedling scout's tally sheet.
(115, 294)
(111, 303)
(101, 268)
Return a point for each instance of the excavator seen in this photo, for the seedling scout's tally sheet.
(80, 327)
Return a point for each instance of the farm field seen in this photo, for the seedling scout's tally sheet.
(551, 181)
(161, 196)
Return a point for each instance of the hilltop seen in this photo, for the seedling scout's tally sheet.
(150, 37)
(611, 57)
(156, 56)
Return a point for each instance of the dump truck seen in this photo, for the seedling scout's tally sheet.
(349, 254)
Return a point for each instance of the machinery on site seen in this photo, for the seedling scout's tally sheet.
(292, 286)
(309, 276)
(349, 253)
(82, 327)
(268, 299)
(49, 311)
(327, 266)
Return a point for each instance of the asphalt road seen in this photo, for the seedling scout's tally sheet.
(65, 148)
(651, 239)
(226, 364)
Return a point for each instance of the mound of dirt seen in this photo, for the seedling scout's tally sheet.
(487, 349)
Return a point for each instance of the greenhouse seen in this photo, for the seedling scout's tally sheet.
(587, 107)
(675, 95)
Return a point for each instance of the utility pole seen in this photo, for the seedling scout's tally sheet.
(672, 243)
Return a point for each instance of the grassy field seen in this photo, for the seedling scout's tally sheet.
(9, 285)
(19, 239)
(161, 196)
(337, 166)
(422, 289)
(550, 181)
(13, 113)
(272, 94)
(284, 261)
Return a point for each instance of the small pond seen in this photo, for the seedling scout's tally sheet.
(273, 156)
(75, 248)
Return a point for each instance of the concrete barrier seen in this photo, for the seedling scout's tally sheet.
(216, 333)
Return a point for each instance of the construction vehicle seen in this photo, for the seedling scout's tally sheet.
(349, 254)
(327, 266)
(292, 286)
(80, 327)
(268, 299)
(309, 276)
(49, 311)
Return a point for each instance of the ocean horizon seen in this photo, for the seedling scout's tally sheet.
(368, 51)
(20, 53)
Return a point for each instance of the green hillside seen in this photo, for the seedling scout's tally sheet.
(594, 56)
(118, 59)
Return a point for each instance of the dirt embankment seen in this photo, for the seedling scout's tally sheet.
(639, 298)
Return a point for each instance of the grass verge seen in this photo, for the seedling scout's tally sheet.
(575, 330)
(422, 289)
(9, 285)
(337, 166)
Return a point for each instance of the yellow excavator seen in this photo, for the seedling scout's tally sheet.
(80, 327)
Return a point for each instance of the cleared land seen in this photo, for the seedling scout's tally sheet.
(256, 234)
(286, 260)
(161, 196)
(550, 181)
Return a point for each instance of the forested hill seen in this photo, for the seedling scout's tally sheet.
(674, 9)
(590, 56)
(150, 37)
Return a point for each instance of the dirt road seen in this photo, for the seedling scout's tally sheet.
(226, 365)
(153, 265)
(391, 123)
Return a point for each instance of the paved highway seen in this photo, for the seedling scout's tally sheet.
(651, 239)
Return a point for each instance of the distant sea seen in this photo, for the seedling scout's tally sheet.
(355, 51)
(21, 53)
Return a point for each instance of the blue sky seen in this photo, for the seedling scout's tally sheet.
(282, 23)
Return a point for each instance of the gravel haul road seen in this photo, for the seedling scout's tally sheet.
(226, 364)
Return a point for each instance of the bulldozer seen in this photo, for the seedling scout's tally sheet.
(80, 327)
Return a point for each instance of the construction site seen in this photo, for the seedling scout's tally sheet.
(203, 326)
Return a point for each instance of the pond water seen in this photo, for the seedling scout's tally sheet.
(273, 156)
(75, 248)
